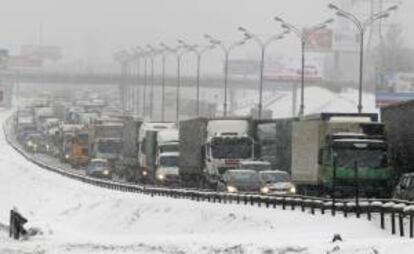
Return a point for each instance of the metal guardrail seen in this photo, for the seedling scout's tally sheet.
(387, 209)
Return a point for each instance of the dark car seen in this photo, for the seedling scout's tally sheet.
(99, 168)
(405, 187)
(36, 142)
(239, 180)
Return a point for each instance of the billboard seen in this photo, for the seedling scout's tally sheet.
(286, 70)
(319, 40)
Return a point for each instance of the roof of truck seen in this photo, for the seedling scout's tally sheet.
(332, 116)
(226, 126)
(158, 125)
(402, 104)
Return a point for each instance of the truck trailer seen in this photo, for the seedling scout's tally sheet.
(340, 153)
(211, 146)
(399, 121)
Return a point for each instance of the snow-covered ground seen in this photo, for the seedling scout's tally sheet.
(79, 218)
(317, 100)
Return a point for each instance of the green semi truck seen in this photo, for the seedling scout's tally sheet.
(340, 153)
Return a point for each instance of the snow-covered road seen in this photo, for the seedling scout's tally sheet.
(79, 218)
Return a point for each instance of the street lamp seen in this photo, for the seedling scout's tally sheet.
(179, 54)
(165, 49)
(144, 54)
(137, 58)
(304, 36)
(123, 58)
(226, 49)
(263, 45)
(152, 52)
(362, 25)
(199, 53)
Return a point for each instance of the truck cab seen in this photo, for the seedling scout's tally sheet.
(151, 145)
(167, 168)
(66, 133)
(106, 139)
(79, 153)
(227, 145)
(167, 154)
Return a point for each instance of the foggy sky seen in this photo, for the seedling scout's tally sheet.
(94, 29)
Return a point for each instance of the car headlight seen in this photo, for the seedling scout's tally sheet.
(106, 172)
(160, 177)
(265, 189)
(144, 173)
(231, 189)
(47, 147)
(66, 156)
(29, 143)
(292, 189)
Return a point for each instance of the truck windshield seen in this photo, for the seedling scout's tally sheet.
(231, 148)
(169, 161)
(169, 148)
(109, 146)
(98, 164)
(366, 158)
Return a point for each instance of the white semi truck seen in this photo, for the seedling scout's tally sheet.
(211, 146)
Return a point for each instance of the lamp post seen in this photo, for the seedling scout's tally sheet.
(144, 55)
(179, 54)
(137, 58)
(198, 53)
(362, 26)
(226, 49)
(122, 57)
(304, 36)
(263, 45)
(152, 52)
(164, 51)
